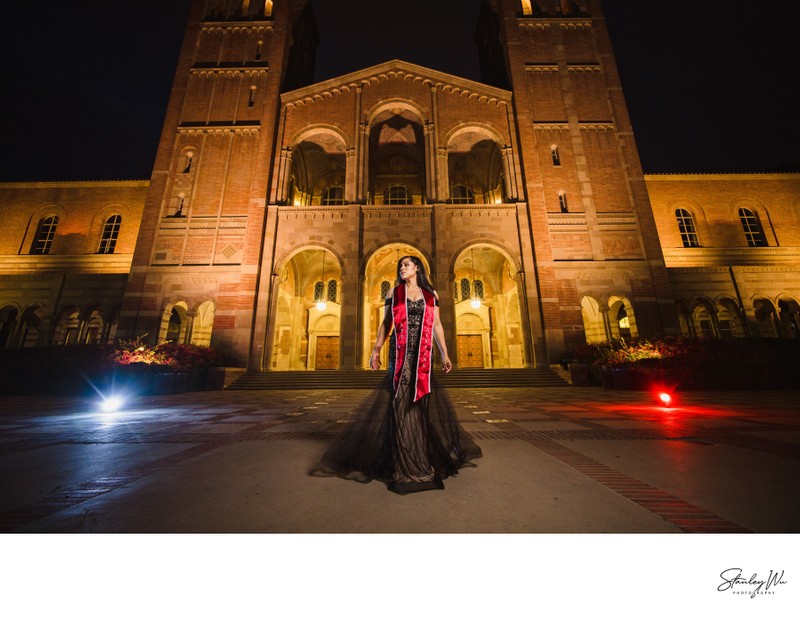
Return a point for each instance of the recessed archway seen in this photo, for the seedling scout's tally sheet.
(308, 312)
(489, 330)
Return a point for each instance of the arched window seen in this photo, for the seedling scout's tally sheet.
(555, 155)
(562, 202)
(465, 293)
(397, 194)
(385, 287)
(188, 158)
(108, 241)
(334, 196)
(333, 291)
(752, 228)
(686, 228)
(44, 236)
(461, 194)
(477, 286)
(319, 291)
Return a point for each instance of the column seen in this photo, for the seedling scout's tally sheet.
(349, 345)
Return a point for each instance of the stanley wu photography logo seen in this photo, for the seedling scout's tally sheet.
(752, 585)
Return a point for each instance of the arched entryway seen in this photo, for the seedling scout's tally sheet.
(308, 312)
(621, 318)
(489, 331)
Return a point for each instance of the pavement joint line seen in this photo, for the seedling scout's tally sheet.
(677, 513)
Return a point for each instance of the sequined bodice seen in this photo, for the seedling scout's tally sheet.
(416, 309)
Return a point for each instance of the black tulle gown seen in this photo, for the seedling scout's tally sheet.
(410, 446)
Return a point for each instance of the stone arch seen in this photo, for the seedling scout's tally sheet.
(203, 323)
(492, 275)
(475, 159)
(703, 314)
(729, 317)
(398, 151)
(319, 161)
(594, 320)
(296, 314)
(766, 316)
(9, 321)
(789, 315)
(622, 318)
(92, 325)
(175, 321)
(67, 325)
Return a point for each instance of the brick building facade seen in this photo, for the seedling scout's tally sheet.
(278, 207)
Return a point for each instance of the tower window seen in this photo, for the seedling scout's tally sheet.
(555, 155)
(187, 165)
(181, 203)
(562, 202)
(397, 194)
(752, 228)
(461, 194)
(686, 228)
(251, 99)
(108, 241)
(334, 196)
(44, 236)
(258, 50)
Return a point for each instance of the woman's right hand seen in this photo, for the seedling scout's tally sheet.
(375, 361)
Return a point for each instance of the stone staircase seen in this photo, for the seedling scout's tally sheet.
(362, 379)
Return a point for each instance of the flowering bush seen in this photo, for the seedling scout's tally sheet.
(86, 369)
(177, 357)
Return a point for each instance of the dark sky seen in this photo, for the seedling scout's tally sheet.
(85, 83)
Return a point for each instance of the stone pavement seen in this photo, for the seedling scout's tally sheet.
(556, 460)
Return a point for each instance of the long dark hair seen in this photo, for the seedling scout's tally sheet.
(422, 277)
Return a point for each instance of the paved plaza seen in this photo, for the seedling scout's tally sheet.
(555, 460)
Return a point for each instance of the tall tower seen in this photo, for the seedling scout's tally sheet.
(599, 265)
(197, 262)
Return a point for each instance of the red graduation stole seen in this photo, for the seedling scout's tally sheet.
(423, 371)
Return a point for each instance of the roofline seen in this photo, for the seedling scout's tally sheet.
(358, 77)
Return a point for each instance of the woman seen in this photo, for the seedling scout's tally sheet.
(412, 441)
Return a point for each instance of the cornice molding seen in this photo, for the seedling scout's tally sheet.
(74, 264)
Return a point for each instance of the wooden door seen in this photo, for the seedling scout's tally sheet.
(327, 352)
(470, 351)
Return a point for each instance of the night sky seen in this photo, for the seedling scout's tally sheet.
(85, 83)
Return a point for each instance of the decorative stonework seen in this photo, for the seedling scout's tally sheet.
(621, 247)
(201, 129)
(397, 70)
(312, 213)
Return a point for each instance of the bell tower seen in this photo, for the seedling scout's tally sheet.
(595, 243)
(197, 261)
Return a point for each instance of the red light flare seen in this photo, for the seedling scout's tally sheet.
(665, 398)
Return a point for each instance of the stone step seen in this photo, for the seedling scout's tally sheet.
(343, 379)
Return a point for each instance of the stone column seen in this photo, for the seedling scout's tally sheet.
(606, 323)
(262, 356)
(349, 338)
